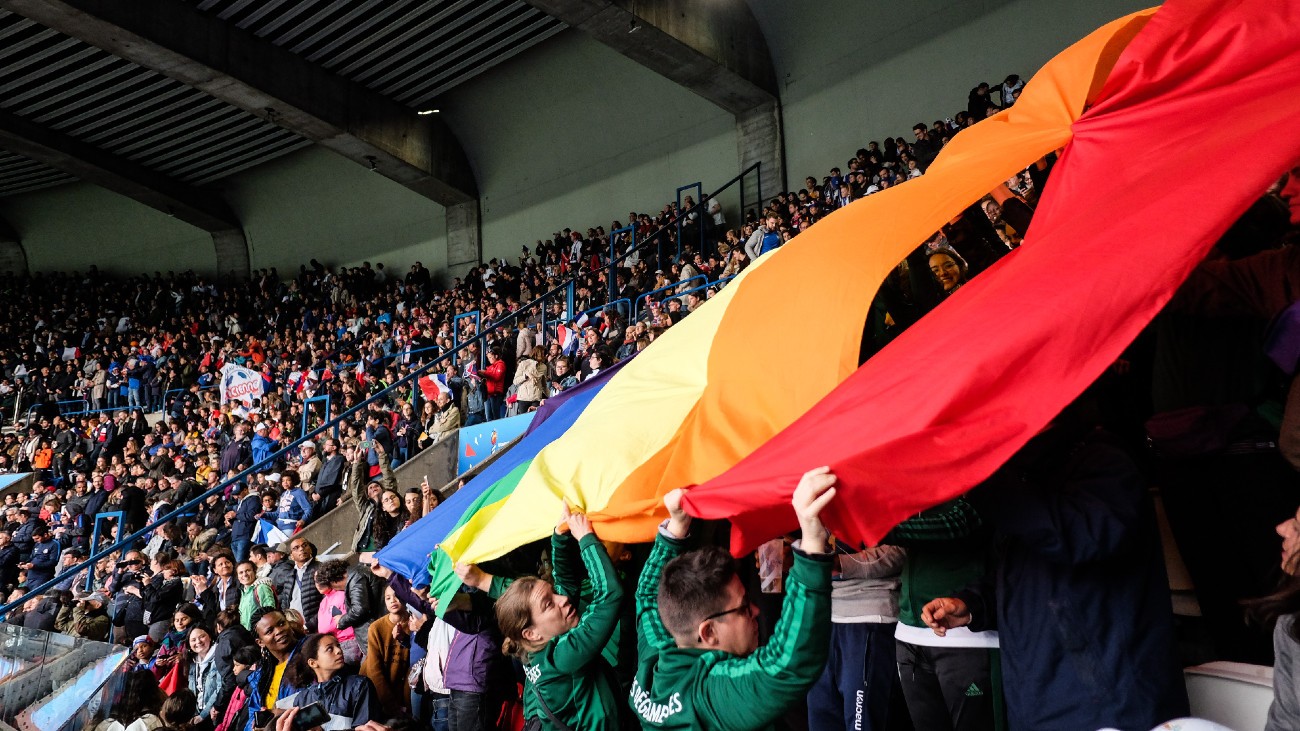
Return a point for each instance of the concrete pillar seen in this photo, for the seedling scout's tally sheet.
(13, 258)
(232, 253)
(759, 138)
(464, 237)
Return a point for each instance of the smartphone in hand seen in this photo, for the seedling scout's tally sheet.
(310, 717)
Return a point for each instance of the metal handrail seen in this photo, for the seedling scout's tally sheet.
(605, 307)
(398, 354)
(705, 286)
(667, 287)
(166, 400)
(27, 420)
(411, 380)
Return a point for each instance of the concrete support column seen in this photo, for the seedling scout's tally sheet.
(759, 138)
(232, 253)
(464, 237)
(13, 257)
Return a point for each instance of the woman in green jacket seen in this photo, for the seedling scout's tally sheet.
(567, 681)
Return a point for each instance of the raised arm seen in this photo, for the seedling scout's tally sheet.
(651, 634)
(580, 645)
(386, 477)
(756, 689)
(566, 558)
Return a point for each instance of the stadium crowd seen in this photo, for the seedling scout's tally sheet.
(1039, 600)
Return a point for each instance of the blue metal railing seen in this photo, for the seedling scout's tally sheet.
(59, 406)
(170, 394)
(94, 538)
(410, 380)
(306, 411)
(666, 288)
(683, 293)
(607, 305)
(615, 237)
(478, 330)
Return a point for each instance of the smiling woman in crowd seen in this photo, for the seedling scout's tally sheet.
(949, 270)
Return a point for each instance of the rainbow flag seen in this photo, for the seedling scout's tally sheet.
(1133, 202)
(701, 397)
(1131, 208)
(415, 552)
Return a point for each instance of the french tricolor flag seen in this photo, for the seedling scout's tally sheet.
(432, 386)
(567, 337)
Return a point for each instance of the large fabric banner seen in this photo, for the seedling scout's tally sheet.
(421, 552)
(701, 397)
(1130, 210)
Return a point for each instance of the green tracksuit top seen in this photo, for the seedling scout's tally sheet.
(947, 549)
(573, 678)
(678, 688)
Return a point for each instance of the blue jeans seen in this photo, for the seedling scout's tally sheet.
(240, 549)
(468, 712)
(495, 406)
(431, 710)
(474, 418)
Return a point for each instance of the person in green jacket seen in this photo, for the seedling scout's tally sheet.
(567, 681)
(700, 666)
(253, 593)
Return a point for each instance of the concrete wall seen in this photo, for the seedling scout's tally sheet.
(315, 204)
(76, 225)
(853, 71)
(309, 204)
(572, 134)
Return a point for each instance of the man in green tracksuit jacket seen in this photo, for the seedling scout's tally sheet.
(699, 664)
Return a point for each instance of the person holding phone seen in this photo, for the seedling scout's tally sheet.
(365, 493)
(350, 700)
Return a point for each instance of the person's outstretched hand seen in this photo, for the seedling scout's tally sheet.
(679, 523)
(945, 613)
(472, 575)
(579, 525)
(815, 490)
(562, 525)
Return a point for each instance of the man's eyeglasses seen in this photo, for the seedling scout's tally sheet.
(742, 608)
